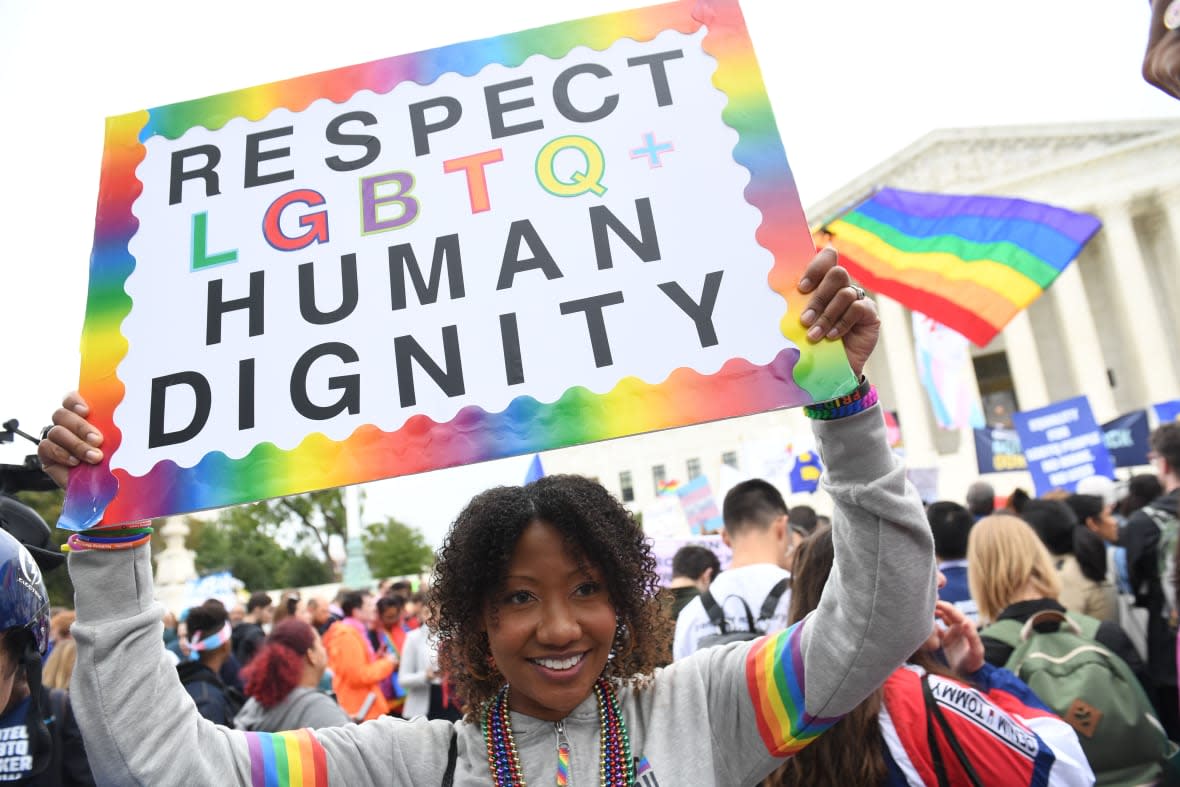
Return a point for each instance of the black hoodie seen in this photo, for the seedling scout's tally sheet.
(1140, 536)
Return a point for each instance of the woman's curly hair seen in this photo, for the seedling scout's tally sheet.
(475, 557)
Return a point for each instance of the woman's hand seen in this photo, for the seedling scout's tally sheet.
(959, 641)
(838, 309)
(71, 441)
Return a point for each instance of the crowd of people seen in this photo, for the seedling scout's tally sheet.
(890, 643)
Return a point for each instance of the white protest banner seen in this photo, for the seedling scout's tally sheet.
(443, 258)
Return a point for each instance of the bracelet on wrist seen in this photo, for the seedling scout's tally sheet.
(864, 397)
(127, 537)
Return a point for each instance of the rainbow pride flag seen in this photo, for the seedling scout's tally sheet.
(969, 262)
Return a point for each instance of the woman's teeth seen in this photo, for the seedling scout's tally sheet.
(559, 664)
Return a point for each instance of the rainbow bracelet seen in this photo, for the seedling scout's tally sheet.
(864, 397)
(127, 537)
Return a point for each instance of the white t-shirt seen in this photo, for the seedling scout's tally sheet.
(752, 583)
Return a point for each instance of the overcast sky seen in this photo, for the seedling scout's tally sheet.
(851, 83)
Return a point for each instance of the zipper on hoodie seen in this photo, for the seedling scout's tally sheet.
(563, 755)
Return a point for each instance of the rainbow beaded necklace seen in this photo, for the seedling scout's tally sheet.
(615, 768)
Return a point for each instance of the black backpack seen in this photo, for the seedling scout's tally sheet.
(717, 616)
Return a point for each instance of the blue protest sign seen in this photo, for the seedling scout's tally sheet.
(998, 450)
(806, 472)
(1167, 412)
(1126, 439)
(1062, 444)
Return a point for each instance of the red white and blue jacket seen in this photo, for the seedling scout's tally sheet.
(1006, 734)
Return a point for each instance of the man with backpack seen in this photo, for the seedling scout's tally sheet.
(249, 635)
(1150, 536)
(209, 640)
(751, 597)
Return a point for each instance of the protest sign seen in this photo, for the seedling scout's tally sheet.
(998, 451)
(1126, 438)
(1166, 412)
(1062, 444)
(806, 472)
(700, 509)
(664, 549)
(443, 258)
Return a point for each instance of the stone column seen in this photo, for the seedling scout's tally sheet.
(912, 405)
(1028, 378)
(1083, 348)
(1132, 289)
(175, 565)
(357, 575)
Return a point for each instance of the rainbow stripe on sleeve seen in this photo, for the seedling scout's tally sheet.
(774, 677)
(287, 759)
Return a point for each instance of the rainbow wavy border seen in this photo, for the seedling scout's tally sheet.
(99, 497)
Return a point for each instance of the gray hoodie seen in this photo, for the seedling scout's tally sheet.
(725, 715)
(303, 707)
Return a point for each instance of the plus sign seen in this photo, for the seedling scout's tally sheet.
(652, 150)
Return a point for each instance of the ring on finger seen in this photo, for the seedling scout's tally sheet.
(860, 292)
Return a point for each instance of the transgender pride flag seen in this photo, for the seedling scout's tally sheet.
(970, 262)
(942, 358)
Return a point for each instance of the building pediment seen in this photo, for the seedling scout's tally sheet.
(977, 159)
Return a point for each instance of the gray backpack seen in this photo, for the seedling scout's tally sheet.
(717, 617)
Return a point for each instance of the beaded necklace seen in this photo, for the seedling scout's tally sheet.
(615, 768)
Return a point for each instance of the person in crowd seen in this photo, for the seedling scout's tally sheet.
(1142, 489)
(412, 613)
(1012, 577)
(290, 604)
(320, 614)
(237, 613)
(357, 667)
(400, 587)
(59, 629)
(250, 633)
(1150, 536)
(172, 637)
(1161, 61)
(1096, 514)
(39, 736)
(693, 569)
(1016, 501)
(1003, 734)
(391, 639)
(429, 692)
(981, 499)
(803, 518)
(1079, 557)
(209, 645)
(282, 683)
(755, 528)
(59, 667)
(537, 588)
(801, 521)
(795, 536)
(950, 524)
(231, 671)
(1103, 487)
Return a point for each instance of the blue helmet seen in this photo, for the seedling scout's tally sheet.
(24, 603)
